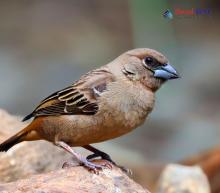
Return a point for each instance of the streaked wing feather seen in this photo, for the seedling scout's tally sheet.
(79, 98)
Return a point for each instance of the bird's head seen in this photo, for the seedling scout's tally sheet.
(148, 66)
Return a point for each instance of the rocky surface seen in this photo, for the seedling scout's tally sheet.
(75, 180)
(26, 158)
(178, 178)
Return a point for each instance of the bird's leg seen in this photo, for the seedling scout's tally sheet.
(105, 156)
(94, 167)
(98, 153)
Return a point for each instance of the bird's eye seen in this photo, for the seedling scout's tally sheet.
(151, 62)
(148, 60)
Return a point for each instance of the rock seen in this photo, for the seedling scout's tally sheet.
(26, 158)
(209, 161)
(182, 179)
(75, 180)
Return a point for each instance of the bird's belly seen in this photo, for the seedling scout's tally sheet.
(79, 130)
(88, 132)
(101, 128)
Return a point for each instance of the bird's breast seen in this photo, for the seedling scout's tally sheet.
(126, 106)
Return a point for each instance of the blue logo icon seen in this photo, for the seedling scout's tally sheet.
(168, 14)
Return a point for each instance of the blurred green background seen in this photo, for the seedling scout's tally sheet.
(47, 44)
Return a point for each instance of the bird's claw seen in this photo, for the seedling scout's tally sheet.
(104, 163)
(68, 165)
(96, 165)
(107, 158)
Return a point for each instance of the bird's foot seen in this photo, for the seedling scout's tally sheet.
(68, 165)
(103, 155)
(96, 165)
(93, 166)
(106, 157)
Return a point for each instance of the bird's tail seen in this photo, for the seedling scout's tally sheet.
(27, 134)
(15, 139)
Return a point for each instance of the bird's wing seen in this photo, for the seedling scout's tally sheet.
(78, 99)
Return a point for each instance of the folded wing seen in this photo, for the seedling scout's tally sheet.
(78, 99)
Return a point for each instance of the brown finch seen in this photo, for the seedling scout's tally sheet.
(103, 104)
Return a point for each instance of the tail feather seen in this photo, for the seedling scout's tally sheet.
(17, 138)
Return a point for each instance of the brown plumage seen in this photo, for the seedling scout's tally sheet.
(103, 104)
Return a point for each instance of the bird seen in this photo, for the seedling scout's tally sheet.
(103, 104)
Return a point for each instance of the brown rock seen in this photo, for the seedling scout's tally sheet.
(76, 180)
